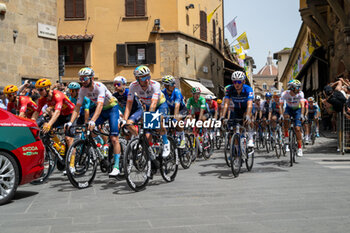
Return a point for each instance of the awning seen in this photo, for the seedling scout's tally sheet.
(204, 90)
(85, 37)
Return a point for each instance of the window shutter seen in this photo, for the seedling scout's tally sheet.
(121, 54)
(79, 9)
(68, 9)
(140, 7)
(203, 25)
(214, 33)
(151, 53)
(129, 7)
(220, 39)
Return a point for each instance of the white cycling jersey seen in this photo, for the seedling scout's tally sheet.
(99, 94)
(153, 92)
(292, 101)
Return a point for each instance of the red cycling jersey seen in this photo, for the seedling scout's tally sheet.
(27, 105)
(213, 105)
(60, 101)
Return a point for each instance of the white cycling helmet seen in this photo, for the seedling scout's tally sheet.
(208, 97)
(120, 79)
(86, 72)
(141, 71)
(238, 76)
(258, 97)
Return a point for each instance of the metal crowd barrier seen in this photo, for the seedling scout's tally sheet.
(344, 133)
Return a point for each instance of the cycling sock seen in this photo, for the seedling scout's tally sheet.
(165, 139)
(116, 161)
(299, 145)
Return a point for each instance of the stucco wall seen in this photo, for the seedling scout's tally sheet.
(29, 55)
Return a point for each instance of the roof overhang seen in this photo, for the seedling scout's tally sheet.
(86, 37)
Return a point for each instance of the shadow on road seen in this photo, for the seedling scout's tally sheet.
(23, 194)
(221, 174)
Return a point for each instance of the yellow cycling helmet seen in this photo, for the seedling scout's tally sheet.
(10, 89)
(219, 101)
(44, 82)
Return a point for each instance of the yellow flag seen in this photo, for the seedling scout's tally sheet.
(243, 40)
(212, 13)
(238, 48)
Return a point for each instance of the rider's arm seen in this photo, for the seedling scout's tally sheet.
(176, 111)
(153, 105)
(201, 113)
(216, 110)
(75, 113)
(226, 104)
(249, 108)
(98, 111)
(128, 108)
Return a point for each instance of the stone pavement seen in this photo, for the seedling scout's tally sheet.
(312, 196)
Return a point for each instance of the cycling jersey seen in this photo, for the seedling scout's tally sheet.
(292, 101)
(153, 92)
(213, 106)
(87, 103)
(175, 98)
(313, 109)
(59, 101)
(25, 104)
(275, 107)
(99, 94)
(264, 108)
(122, 99)
(239, 100)
(196, 106)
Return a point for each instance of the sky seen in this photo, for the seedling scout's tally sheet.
(271, 25)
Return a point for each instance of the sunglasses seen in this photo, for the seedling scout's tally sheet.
(167, 85)
(237, 82)
(84, 78)
(144, 78)
(9, 95)
(41, 89)
(117, 84)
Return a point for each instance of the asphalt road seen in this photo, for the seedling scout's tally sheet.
(312, 196)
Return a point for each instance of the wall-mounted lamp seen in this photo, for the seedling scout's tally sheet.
(191, 6)
(15, 34)
(157, 22)
(2, 9)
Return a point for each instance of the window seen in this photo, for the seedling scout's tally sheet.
(264, 86)
(135, 8)
(73, 52)
(203, 25)
(136, 54)
(74, 9)
(220, 39)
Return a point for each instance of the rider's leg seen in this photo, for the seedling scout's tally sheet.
(113, 117)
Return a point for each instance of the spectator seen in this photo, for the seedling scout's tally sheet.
(335, 99)
(3, 100)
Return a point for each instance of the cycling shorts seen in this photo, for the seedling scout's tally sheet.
(112, 115)
(295, 113)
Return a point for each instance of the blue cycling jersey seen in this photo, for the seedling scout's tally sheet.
(122, 99)
(239, 101)
(87, 103)
(176, 97)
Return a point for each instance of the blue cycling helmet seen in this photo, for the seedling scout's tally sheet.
(268, 95)
(74, 86)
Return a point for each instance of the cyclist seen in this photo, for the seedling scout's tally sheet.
(23, 105)
(196, 105)
(213, 106)
(88, 105)
(313, 114)
(294, 102)
(264, 111)
(176, 104)
(106, 109)
(151, 96)
(242, 97)
(274, 108)
(256, 112)
(61, 106)
(121, 94)
(220, 105)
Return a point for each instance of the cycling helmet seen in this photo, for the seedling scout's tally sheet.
(141, 71)
(258, 97)
(268, 95)
(44, 82)
(74, 86)
(208, 97)
(86, 72)
(120, 79)
(219, 101)
(276, 93)
(294, 83)
(10, 89)
(238, 75)
(168, 80)
(311, 99)
(195, 90)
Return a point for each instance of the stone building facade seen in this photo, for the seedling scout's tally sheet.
(23, 53)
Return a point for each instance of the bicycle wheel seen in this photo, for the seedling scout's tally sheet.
(185, 155)
(291, 147)
(235, 155)
(278, 145)
(169, 165)
(208, 146)
(218, 141)
(227, 150)
(313, 133)
(137, 165)
(295, 146)
(85, 164)
(194, 148)
(49, 166)
(123, 144)
(249, 162)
